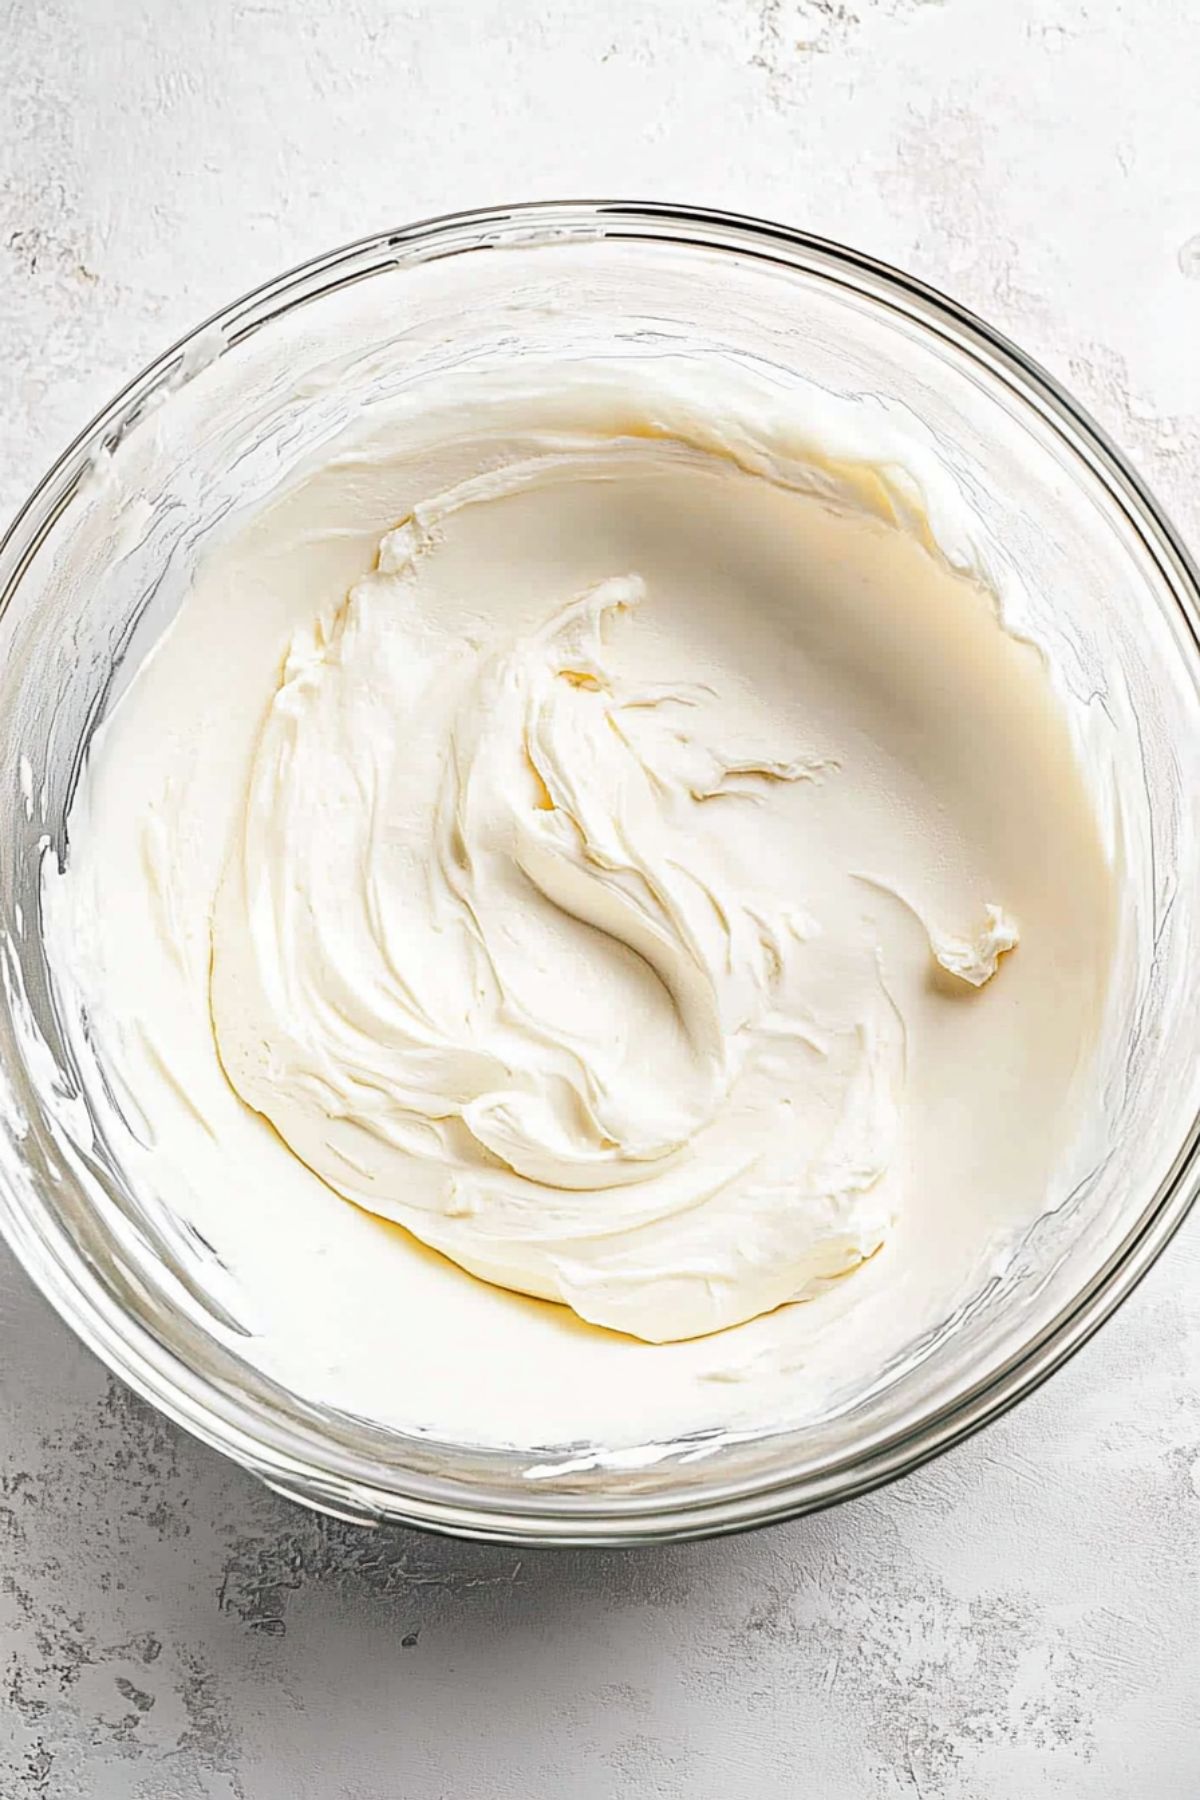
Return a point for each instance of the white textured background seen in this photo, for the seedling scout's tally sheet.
(1020, 1620)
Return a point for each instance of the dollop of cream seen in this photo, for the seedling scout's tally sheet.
(975, 960)
(491, 961)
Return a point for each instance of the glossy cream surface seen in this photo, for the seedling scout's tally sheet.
(589, 914)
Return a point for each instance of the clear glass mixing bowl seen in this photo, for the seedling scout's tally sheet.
(83, 598)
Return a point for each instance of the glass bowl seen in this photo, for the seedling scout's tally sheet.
(1062, 518)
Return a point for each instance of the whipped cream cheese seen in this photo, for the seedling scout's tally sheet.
(584, 823)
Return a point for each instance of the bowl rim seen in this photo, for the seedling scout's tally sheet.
(357, 1488)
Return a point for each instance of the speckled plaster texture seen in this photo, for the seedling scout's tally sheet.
(1021, 1619)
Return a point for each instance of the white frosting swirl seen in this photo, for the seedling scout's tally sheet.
(494, 965)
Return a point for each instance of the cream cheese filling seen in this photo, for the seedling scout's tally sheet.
(591, 840)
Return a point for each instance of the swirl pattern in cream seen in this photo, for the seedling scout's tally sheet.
(491, 958)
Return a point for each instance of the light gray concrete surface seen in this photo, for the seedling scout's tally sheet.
(1020, 1620)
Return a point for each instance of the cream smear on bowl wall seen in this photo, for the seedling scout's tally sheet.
(595, 911)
